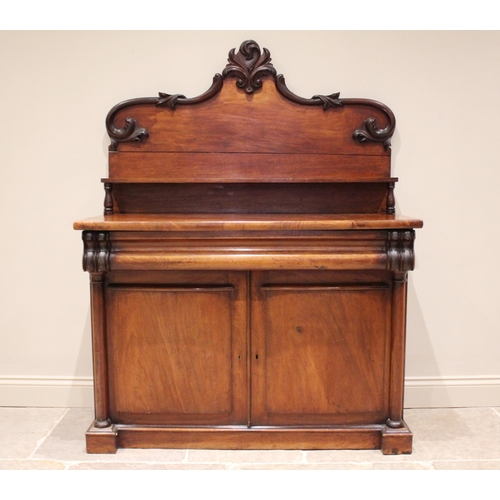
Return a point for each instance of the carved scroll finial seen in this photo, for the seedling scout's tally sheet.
(249, 65)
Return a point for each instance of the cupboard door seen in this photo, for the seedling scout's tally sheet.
(319, 349)
(177, 351)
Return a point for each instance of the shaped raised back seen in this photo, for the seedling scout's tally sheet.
(249, 145)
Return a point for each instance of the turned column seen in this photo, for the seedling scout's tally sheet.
(401, 258)
(95, 261)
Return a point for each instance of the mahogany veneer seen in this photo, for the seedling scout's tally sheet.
(248, 277)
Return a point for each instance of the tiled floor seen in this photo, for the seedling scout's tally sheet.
(53, 438)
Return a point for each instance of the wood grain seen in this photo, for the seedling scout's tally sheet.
(263, 122)
(248, 167)
(329, 341)
(156, 334)
(245, 222)
(274, 198)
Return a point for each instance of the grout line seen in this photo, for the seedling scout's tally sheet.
(42, 439)
(496, 410)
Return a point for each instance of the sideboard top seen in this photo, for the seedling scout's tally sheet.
(245, 222)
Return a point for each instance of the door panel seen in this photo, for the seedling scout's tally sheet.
(177, 353)
(320, 351)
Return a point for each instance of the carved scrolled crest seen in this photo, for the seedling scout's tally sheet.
(400, 252)
(96, 251)
(249, 65)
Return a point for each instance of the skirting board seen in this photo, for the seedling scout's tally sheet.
(49, 392)
(421, 392)
(449, 392)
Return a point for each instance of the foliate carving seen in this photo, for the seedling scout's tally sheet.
(249, 65)
(129, 132)
(327, 101)
(400, 253)
(172, 100)
(96, 250)
(370, 132)
(168, 99)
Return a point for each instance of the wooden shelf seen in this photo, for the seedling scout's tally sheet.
(241, 180)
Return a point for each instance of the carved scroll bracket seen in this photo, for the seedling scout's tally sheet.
(96, 251)
(400, 253)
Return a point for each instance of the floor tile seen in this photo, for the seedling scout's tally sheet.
(467, 465)
(447, 438)
(143, 466)
(455, 433)
(336, 466)
(270, 466)
(438, 433)
(245, 456)
(401, 466)
(67, 442)
(21, 429)
(336, 456)
(31, 465)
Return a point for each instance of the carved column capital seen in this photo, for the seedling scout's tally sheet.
(400, 253)
(96, 250)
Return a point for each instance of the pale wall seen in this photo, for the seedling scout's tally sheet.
(57, 87)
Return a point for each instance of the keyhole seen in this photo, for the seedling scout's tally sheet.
(256, 356)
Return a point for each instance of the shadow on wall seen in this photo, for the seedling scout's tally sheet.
(422, 391)
(82, 394)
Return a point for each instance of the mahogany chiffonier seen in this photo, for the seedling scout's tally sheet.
(248, 277)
